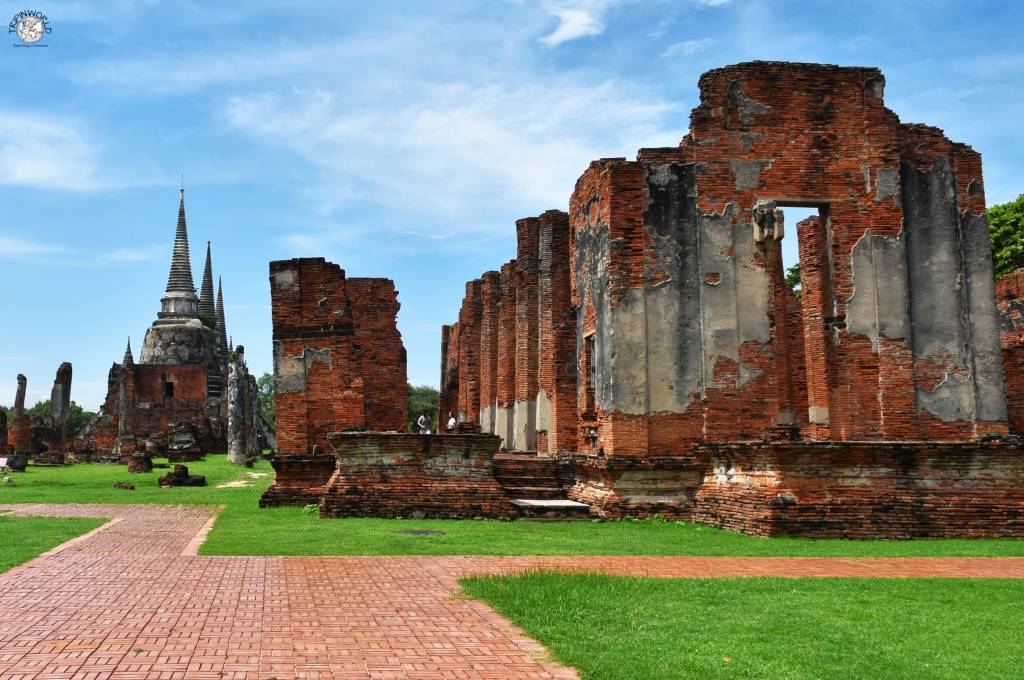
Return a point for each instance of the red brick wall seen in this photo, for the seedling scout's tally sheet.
(505, 392)
(469, 352)
(527, 234)
(448, 399)
(374, 306)
(1010, 298)
(556, 376)
(339, 360)
(490, 294)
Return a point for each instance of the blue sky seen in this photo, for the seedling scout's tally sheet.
(398, 139)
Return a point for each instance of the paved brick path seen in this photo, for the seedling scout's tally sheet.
(131, 600)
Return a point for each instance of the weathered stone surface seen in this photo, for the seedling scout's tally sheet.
(180, 477)
(243, 406)
(412, 475)
(140, 462)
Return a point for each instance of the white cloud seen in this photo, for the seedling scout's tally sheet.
(45, 152)
(456, 150)
(131, 255)
(16, 248)
(576, 19)
(686, 48)
(713, 3)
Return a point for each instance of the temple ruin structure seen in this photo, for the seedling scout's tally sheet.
(339, 365)
(647, 342)
(173, 399)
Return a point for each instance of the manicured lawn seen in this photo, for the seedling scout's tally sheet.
(22, 538)
(618, 628)
(244, 529)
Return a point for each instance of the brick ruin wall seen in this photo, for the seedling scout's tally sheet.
(339, 364)
(1010, 300)
(414, 476)
(684, 333)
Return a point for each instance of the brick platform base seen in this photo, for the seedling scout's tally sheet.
(857, 490)
(412, 475)
(299, 480)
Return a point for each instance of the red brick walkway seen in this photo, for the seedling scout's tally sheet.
(132, 600)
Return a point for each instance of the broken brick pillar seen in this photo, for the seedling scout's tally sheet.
(339, 365)
(60, 399)
(3, 433)
(374, 305)
(525, 409)
(1010, 300)
(557, 420)
(505, 385)
(21, 426)
(469, 353)
(448, 399)
(490, 295)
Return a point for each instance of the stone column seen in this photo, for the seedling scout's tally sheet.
(557, 419)
(21, 429)
(505, 381)
(469, 353)
(60, 399)
(525, 410)
(490, 293)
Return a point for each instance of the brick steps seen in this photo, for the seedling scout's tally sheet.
(535, 492)
(551, 509)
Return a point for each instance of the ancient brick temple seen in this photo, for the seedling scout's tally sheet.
(174, 396)
(339, 365)
(648, 337)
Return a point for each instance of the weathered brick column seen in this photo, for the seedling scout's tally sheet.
(490, 293)
(557, 420)
(469, 353)
(448, 399)
(21, 428)
(505, 387)
(525, 409)
(374, 305)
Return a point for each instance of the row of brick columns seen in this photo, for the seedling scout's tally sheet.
(515, 343)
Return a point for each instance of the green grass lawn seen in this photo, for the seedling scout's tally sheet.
(22, 538)
(244, 529)
(620, 628)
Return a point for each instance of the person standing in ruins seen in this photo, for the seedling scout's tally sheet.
(424, 423)
(451, 422)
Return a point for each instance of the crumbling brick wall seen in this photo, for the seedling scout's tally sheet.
(448, 398)
(469, 353)
(339, 364)
(527, 324)
(556, 351)
(490, 298)
(1010, 298)
(505, 388)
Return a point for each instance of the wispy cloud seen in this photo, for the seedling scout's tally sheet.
(18, 248)
(129, 255)
(713, 3)
(576, 19)
(46, 152)
(455, 149)
(686, 48)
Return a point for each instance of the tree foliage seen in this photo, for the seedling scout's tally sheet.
(422, 398)
(1006, 225)
(793, 278)
(78, 417)
(265, 386)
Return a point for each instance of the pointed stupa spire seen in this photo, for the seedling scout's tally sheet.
(180, 300)
(128, 358)
(206, 304)
(180, 278)
(222, 329)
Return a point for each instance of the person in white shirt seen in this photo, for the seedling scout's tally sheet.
(451, 422)
(424, 423)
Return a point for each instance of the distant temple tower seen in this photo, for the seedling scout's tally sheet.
(180, 334)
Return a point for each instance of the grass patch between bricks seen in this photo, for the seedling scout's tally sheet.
(621, 628)
(242, 528)
(22, 538)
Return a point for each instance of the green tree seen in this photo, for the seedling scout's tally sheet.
(265, 385)
(1006, 225)
(422, 398)
(793, 278)
(78, 417)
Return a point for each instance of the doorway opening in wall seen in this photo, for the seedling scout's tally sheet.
(168, 389)
(589, 373)
(793, 215)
